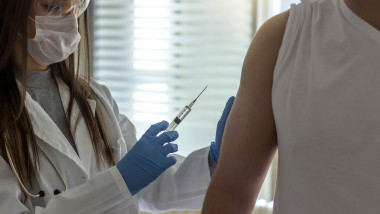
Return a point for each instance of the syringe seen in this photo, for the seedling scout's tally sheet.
(182, 114)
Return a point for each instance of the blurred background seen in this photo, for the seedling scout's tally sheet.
(157, 55)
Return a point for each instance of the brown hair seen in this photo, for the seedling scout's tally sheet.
(15, 125)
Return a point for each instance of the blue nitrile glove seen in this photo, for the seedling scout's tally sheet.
(215, 146)
(148, 158)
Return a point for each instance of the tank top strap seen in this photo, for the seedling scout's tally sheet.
(297, 16)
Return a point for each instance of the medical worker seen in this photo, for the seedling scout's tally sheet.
(65, 148)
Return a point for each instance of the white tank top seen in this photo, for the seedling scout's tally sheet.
(326, 104)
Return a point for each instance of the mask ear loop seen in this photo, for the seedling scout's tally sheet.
(19, 34)
(32, 19)
(74, 10)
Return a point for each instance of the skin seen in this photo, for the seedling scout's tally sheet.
(367, 10)
(249, 140)
(37, 9)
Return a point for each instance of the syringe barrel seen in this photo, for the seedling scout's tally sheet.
(179, 118)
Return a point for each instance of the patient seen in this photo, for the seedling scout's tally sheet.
(310, 88)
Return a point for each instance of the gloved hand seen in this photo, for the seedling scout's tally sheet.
(215, 146)
(148, 157)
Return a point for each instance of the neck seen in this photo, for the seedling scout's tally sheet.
(368, 10)
(33, 65)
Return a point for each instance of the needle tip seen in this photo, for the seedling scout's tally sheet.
(192, 103)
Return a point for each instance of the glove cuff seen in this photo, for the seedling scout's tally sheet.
(214, 156)
(121, 167)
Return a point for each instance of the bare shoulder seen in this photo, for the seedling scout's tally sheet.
(272, 31)
(262, 54)
(276, 25)
(268, 39)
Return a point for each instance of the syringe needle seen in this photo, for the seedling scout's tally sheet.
(192, 103)
(182, 114)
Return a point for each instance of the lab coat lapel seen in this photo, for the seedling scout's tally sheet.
(45, 128)
(80, 134)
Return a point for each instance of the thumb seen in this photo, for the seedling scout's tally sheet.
(226, 112)
(228, 107)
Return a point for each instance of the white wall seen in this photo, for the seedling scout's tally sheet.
(285, 4)
(269, 8)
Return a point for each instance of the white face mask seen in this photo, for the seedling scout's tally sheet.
(56, 39)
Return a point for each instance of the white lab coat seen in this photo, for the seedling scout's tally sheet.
(91, 190)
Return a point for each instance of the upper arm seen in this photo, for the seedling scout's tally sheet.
(250, 135)
(249, 140)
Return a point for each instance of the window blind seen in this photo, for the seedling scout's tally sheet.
(155, 56)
